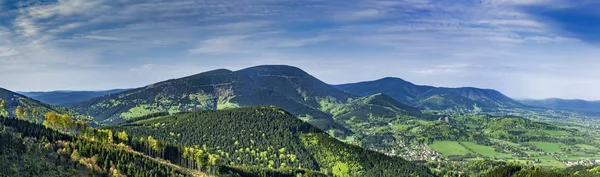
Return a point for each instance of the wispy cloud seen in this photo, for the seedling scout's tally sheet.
(449, 43)
(444, 69)
(107, 38)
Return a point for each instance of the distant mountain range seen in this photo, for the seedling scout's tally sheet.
(292, 89)
(66, 98)
(33, 110)
(286, 87)
(433, 98)
(566, 104)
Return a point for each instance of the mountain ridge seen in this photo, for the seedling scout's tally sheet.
(67, 97)
(433, 98)
(31, 109)
(284, 86)
(268, 137)
(580, 105)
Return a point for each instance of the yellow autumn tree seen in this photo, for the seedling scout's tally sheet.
(34, 115)
(59, 121)
(25, 114)
(51, 119)
(19, 112)
(123, 136)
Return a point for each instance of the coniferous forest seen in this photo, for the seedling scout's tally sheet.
(299, 88)
(225, 129)
(267, 137)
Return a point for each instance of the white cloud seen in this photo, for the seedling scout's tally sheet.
(444, 69)
(7, 51)
(512, 22)
(26, 27)
(446, 43)
(267, 43)
(221, 45)
(518, 2)
(364, 14)
(145, 67)
(107, 38)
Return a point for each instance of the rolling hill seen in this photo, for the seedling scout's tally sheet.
(32, 109)
(32, 149)
(565, 104)
(397, 88)
(286, 87)
(433, 98)
(66, 98)
(268, 137)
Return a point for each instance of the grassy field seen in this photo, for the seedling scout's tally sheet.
(448, 148)
(587, 147)
(547, 146)
(556, 133)
(579, 157)
(487, 151)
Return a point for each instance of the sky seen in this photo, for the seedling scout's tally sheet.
(523, 48)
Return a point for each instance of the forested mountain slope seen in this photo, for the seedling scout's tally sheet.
(30, 149)
(16, 105)
(269, 137)
(397, 88)
(25, 156)
(433, 98)
(286, 87)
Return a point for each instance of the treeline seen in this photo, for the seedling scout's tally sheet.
(492, 168)
(345, 160)
(535, 171)
(254, 139)
(112, 153)
(101, 157)
(263, 137)
(513, 129)
(27, 157)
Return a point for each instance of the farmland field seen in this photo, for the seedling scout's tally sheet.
(449, 148)
(485, 150)
(547, 146)
(555, 133)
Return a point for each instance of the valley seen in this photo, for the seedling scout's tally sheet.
(277, 120)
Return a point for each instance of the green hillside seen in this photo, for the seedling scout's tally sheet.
(397, 88)
(271, 138)
(25, 156)
(465, 99)
(286, 87)
(67, 98)
(30, 109)
(30, 149)
(442, 100)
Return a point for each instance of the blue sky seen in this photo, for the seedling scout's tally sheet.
(524, 48)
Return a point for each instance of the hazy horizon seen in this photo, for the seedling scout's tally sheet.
(134, 87)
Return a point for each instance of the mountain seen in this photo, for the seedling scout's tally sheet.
(433, 98)
(31, 149)
(294, 83)
(286, 87)
(66, 98)
(397, 88)
(32, 109)
(268, 137)
(23, 156)
(565, 104)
